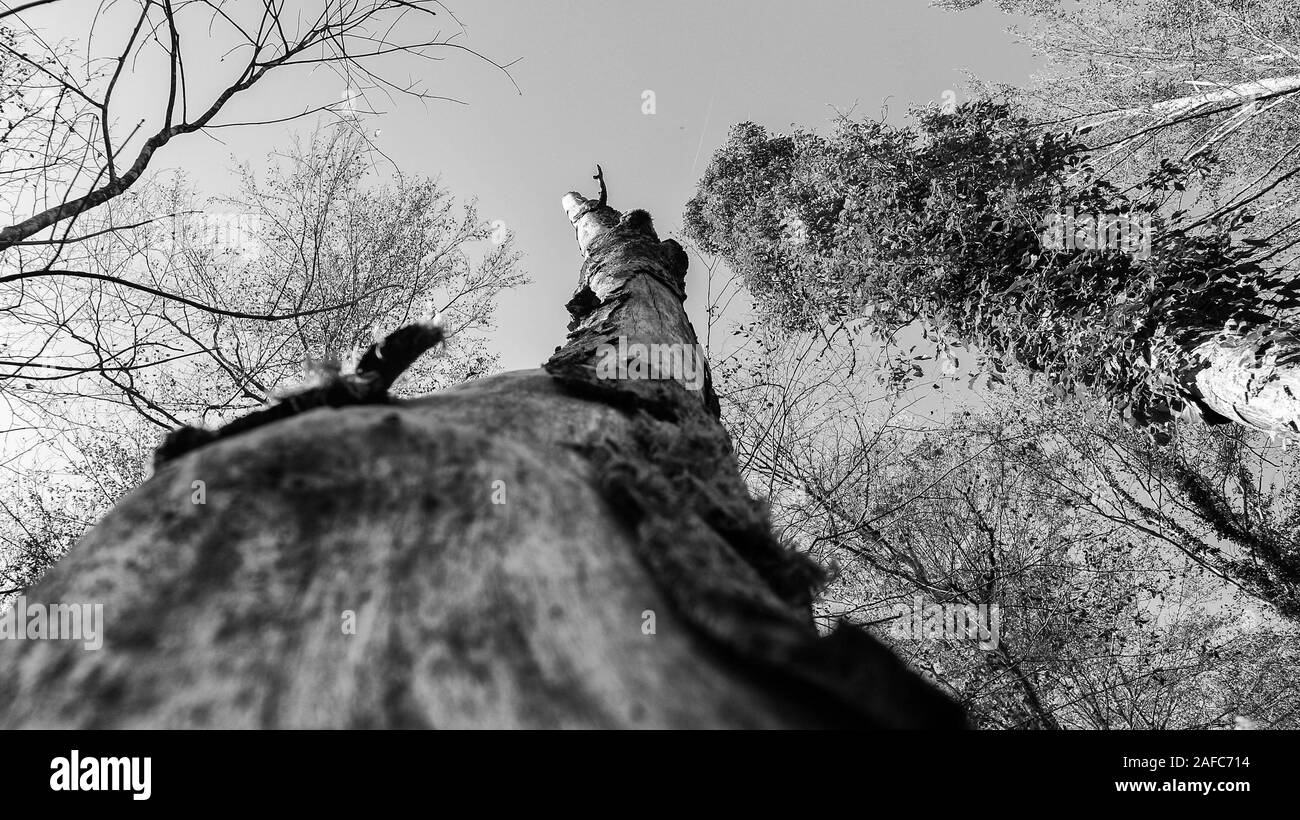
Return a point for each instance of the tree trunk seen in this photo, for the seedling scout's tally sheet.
(1242, 93)
(544, 548)
(1250, 377)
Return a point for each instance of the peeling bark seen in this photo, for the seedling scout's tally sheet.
(621, 500)
(1251, 378)
(1246, 94)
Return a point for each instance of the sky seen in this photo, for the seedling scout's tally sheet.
(576, 96)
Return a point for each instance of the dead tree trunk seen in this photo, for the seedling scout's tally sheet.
(545, 548)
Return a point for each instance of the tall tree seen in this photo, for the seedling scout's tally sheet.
(949, 225)
(569, 546)
(1174, 79)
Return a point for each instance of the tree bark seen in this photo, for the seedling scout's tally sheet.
(1244, 93)
(1252, 378)
(543, 548)
(1246, 373)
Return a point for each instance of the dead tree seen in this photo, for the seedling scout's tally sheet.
(541, 548)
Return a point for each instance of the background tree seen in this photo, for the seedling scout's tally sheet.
(1175, 80)
(122, 295)
(45, 510)
(1139, 580)
(944, 225)
(313, 233)
(1121, 604)
(67, 155)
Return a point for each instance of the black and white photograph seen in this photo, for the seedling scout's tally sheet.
(920, 367)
